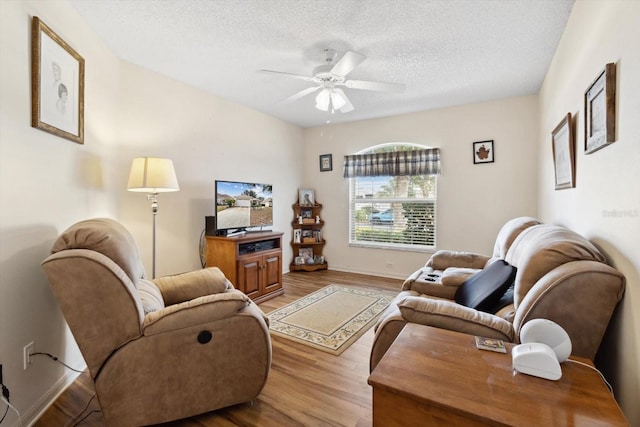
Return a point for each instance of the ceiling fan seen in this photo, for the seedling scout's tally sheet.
(329, 76)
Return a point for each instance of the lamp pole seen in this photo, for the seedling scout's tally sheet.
(153, 197)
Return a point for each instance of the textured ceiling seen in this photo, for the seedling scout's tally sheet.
(447, 52)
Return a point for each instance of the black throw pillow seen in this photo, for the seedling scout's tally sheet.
(484, 289)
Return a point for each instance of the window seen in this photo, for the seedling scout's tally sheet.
(393, 196)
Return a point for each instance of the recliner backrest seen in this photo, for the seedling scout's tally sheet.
(540, 249)
(108, 237)
(509, 232)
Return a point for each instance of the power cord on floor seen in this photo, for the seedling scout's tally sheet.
(5, 399)
(75, 420)
(72, 422)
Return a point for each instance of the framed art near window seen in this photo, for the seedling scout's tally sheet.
(564, 154)
(600, 111)
(57, 85)
(326, 163)
(483, 152)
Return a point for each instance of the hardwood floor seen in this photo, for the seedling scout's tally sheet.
(306, 387)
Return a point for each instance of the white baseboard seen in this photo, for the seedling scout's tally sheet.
(35, 412)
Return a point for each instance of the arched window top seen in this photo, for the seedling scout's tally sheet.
(393, 159)
(393, 146)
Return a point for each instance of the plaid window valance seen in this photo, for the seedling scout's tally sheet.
(394, 163)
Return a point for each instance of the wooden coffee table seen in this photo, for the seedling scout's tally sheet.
(432, 377)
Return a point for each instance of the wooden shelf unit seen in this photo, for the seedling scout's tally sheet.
(309, 213)
(252, 262)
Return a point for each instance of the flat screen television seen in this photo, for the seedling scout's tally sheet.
(243, 206)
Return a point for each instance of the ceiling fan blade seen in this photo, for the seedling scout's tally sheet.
(295, 76)
(299, 95)
(377, 86)
(347, 63)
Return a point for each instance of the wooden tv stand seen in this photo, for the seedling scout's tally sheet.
(252, 262)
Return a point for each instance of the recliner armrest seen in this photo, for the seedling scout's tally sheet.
(187, 286)
(197, 311)
(449, 315)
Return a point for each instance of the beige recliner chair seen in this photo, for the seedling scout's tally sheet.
(560, 276)
(156, 350)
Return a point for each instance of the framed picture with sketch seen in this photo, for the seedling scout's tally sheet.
(57, 84)
(564, 154)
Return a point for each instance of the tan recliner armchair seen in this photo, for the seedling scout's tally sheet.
(560, 276)
(156, 350)
(446, 270)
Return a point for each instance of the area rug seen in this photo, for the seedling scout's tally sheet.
(332, 318)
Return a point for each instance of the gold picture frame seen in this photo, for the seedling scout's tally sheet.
(57, 84)
(600, 111)
(562, 141)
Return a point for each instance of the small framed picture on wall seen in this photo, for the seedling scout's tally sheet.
(326, 163)
(483, 152)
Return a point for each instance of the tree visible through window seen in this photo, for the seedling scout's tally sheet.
(393, 211)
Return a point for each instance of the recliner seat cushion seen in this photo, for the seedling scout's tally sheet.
(484, 289)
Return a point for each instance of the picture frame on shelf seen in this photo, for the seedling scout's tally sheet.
(306, 197)
(298, 260)
(600, 111)
(562, 141)
(297, 235)
(483, 152)
(306, 213)
(326, 162)
(305, 254)
(57, 84)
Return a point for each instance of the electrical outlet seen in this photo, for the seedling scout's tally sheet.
(26, 355)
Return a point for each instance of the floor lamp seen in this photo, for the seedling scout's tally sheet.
(152, 175)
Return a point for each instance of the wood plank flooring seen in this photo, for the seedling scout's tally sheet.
(306, 387)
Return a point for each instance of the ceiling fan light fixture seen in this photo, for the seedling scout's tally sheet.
(337, 99)
(322, 100)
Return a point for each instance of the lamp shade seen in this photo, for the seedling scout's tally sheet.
(152, 175)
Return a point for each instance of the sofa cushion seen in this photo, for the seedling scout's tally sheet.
(484, 289)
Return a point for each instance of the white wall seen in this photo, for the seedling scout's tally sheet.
(207, 138)
(474, 200)
(605, 205)
(47, 183)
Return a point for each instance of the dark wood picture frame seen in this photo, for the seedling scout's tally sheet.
(326, 162)
(563, 145)
(600, 111)
(483, 152)
(57, 84)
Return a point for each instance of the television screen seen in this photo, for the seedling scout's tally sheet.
(243, 206)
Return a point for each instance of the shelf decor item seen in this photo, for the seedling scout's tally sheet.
(600, 111)
(564, 154)
(306, 197)
(483, 152)
(57, 85)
